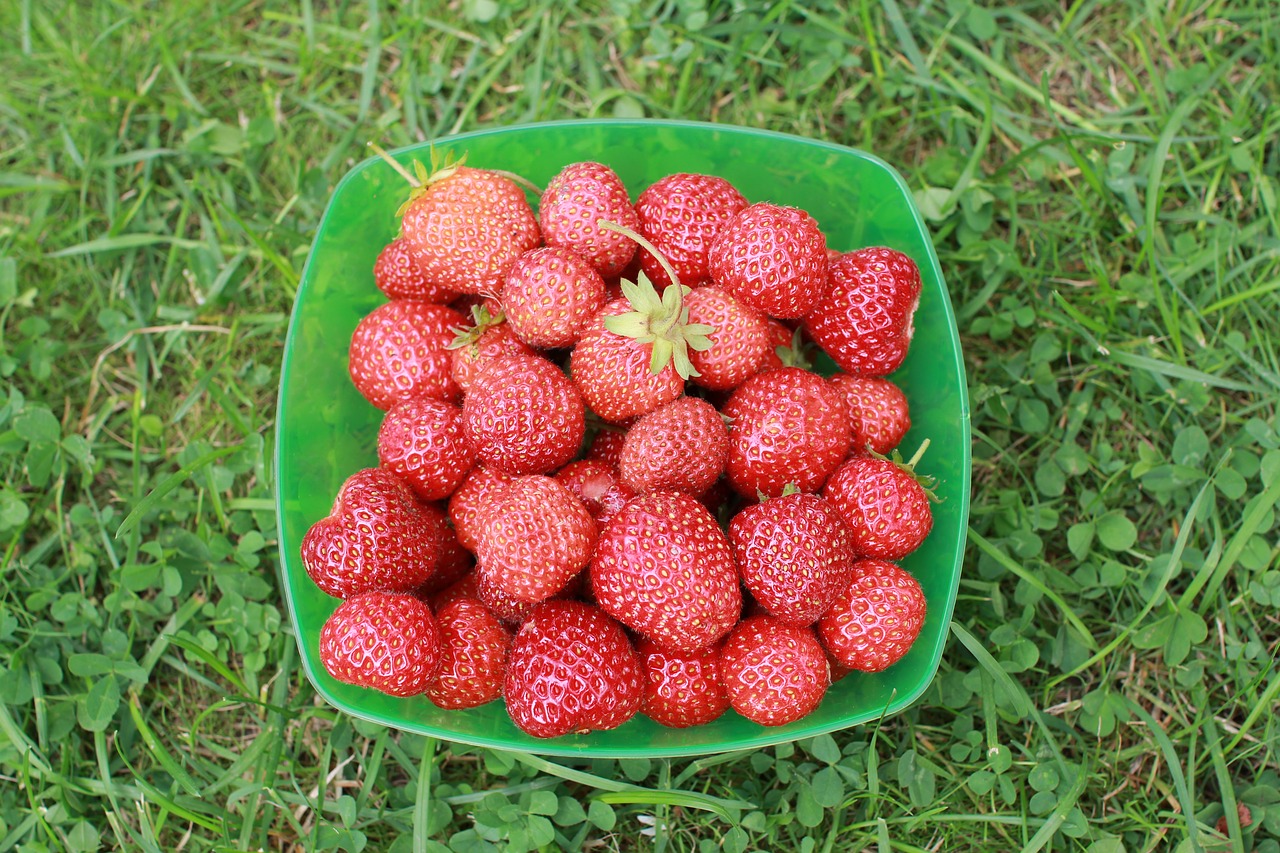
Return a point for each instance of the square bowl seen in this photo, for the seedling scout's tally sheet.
(326, 430)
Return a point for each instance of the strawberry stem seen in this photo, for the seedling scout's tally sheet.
(404, 173)
(918, 454)
(644, 244)
(520, 180)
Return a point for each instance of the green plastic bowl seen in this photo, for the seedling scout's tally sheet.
(327, 431)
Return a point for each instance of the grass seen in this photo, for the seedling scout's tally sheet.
(1101, 180)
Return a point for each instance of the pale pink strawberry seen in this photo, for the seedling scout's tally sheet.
(550, 295)
(573, 204)
(399, 351)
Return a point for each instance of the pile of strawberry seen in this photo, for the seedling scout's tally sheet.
(728, 538)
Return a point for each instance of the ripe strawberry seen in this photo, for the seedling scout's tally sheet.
(591, 481)
(377, 537)
(606, 446)
(865, 320)
(533, 537)
(572, 205)
(883, 503)
(738, 344)
(468, 503)
(875, 618)
(786, 426)
(678, 447)
(681, 690)
(523, 415)
(456, 562)
(550, 295)
(421, 441)
(613, 371)
(772, 258)
(681, 215)
(399, 352)
(398, 276)
(514, 611)
(785, 348)
(473, 656)
(794, 554)
(774, 673)
(382, 640)
(663, 567)
(878, 413)
(571, 669)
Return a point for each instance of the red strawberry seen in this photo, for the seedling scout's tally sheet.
(571, 669)
(422, 442)
(456, 562)
(512, 610)
(883, 503)
(738, 344)
(875, 619)
(473, 656)
(590, 480)
(774, 673)
(533, 537)
(681, 690)
(786, 426)
(398, 276)
(682, 214)
(678, 447)
(572, 205)
(523, 415)
(794, 554)
(772, 258)
(606, 446)
(377, 537)
(467, 505)
(550, 295)
(399, 352)
(785, 348)
(878, 413)
(865, 320)
(487, 338)
(663, 567)
(382, 640)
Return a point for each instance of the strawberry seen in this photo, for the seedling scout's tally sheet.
(377, 537)
(678, 447)
(488, 337)
(550, 295)
(382, 640)
(785, 347)
(591, 481)
(523, 415)
(875, 618)
(468, 503)
(456, 562)
(772, 258)
(794, 554)
(571, 670)
(738, 344)
(883, 503)
(681, 690)
(774, 673)
(573, 204)
(878, 413)
(533, 537)
(681, 215)
(606, 446)
(398, 276)
(473, 655)
(786, 425)
(398, 352)
(865, 320)
(663, 568)
(512, 610)
(421, 441)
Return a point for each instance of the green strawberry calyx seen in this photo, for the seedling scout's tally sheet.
(926, 482)
(481, 322)
(422, 178)
(659, 320)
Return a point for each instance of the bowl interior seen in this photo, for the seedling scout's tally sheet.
(326, 430)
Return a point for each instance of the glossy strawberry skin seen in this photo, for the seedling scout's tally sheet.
(571, 669)
(772, 258)
(865, 321)
(572, 204)
(681, 215)
(550, 295)
(738, 344)
(680, 446)
(663, 567)
(780, 336)
(399, 351)
(384, 641)
(474, 645)
(422, 442)
(606, 446)
(681, 690)
(884, 507)
(875, 619)
(794, 554)
(612, 371)
(468, 360)
(774, 673)
(878, 412)
(787, 426)
(590, 481)
(467, 230)
(523, 415)
(376, 537)
(468, 503)
(398, 276)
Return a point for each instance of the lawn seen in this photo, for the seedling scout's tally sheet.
(1101, 183)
